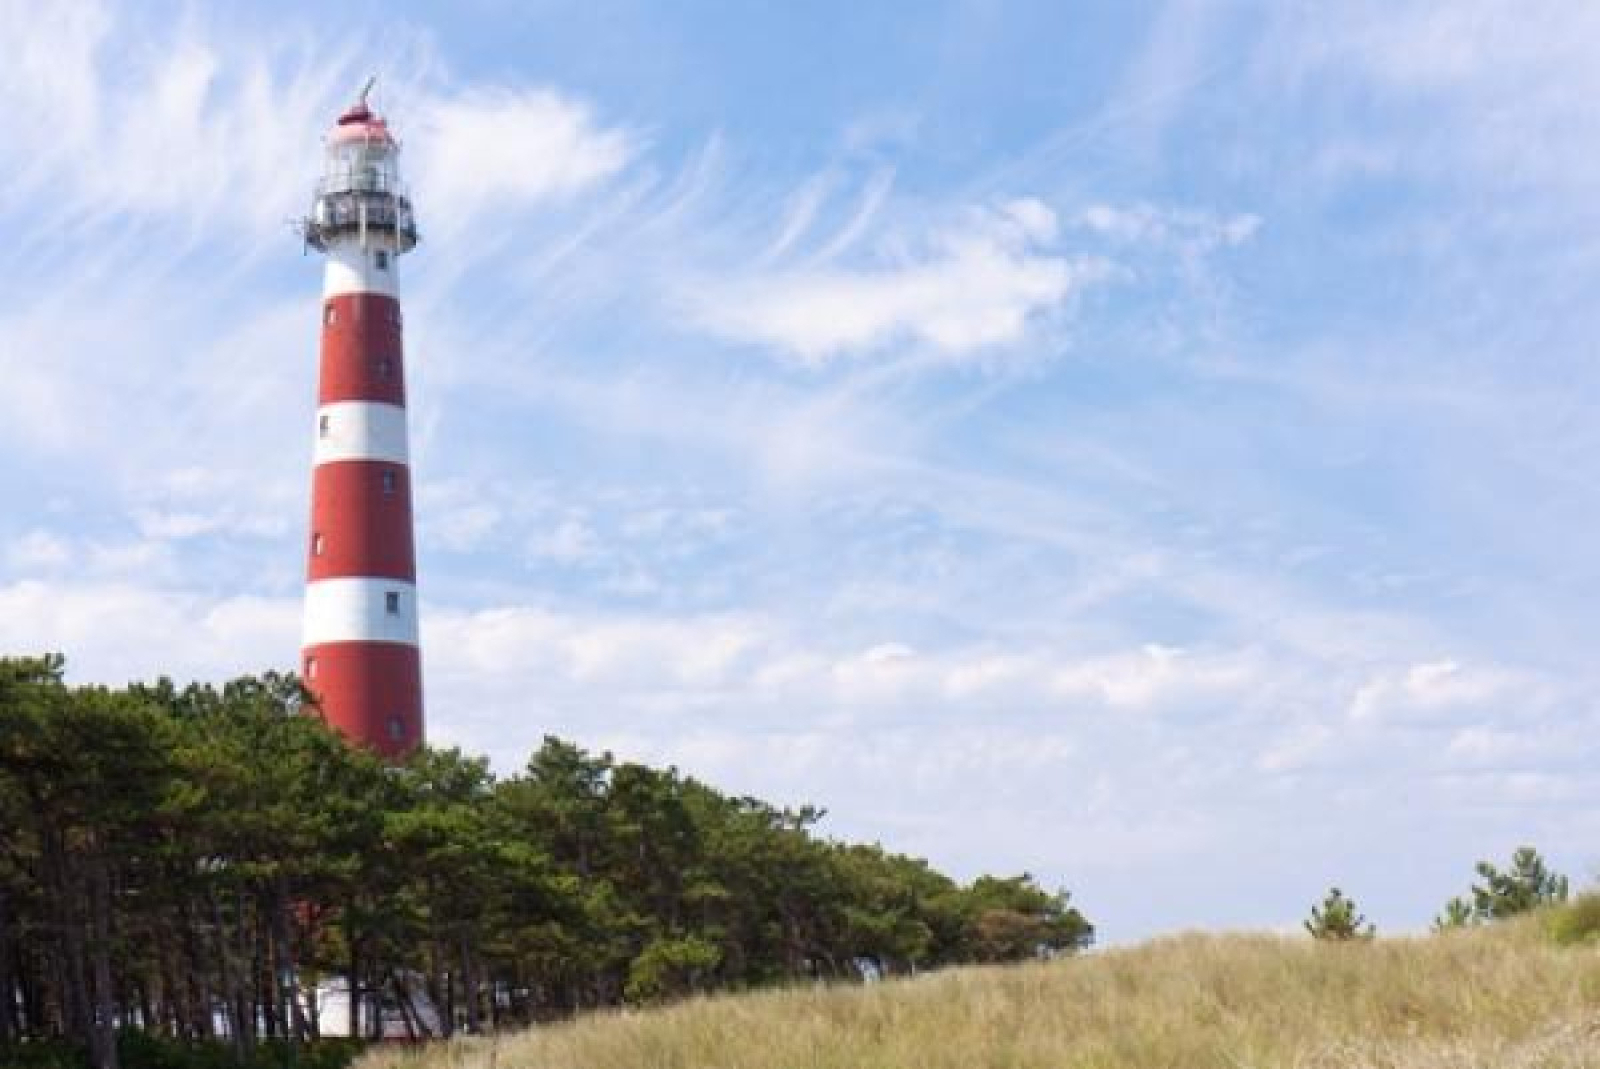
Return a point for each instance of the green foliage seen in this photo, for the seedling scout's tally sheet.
(143, 1050)
(670, 968)
(197, 858)
(43, 1054)
(1525, 885)
(1337, 919)
(1014, 918)
(1458, 913)
(1576, 922)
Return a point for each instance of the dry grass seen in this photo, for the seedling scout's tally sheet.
(1500, 998)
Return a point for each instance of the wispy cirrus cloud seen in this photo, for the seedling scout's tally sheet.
(960, 291)
(499, 149)
(201, 121)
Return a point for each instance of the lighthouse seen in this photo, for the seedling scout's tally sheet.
(361, 656)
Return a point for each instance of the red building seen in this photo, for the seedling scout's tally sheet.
(361, 655)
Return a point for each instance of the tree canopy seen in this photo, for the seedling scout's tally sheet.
(1338, 919)
(189, 862)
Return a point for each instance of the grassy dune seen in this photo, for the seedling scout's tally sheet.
(1497, 998)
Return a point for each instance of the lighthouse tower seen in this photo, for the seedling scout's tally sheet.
(361, 657)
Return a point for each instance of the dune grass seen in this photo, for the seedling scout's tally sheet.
(1503, 997)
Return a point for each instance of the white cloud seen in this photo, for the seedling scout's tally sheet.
(1441, 690)
(48, 82)
(1154, 675)
(1192, 231)
(105, 124)
(1500, 87)
(117, 631)
(1483, 745)
(971, 288)
(461, 529)
(208, 128)
(1297, 748)
(228, 518)
(571, 541)
(36, 551)
(495, 150)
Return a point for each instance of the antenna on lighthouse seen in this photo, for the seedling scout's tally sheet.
(361, 98)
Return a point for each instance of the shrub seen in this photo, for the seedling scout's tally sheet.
(141, 1050)
(1338, 919)
(1458, 913)
(1526, 884)
(669, 968)
(1575, 922)
(50, 1054)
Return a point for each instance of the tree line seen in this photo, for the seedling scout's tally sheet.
(1526, 884)
(190, 863)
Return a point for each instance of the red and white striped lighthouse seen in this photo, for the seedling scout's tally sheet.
(361, 656)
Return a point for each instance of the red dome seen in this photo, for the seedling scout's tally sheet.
(360, 123)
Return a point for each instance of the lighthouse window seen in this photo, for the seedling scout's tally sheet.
(391, 602)
(330, 315)
(316, 545)
(385, 367)
(388, 482)
(381, 259)
(322, 426)
(311, 668)
(397, 728)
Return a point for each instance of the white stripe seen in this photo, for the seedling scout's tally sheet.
(354, 269)
(360, 430)
(357, 610)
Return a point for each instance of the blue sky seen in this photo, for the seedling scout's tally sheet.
(1146, 445)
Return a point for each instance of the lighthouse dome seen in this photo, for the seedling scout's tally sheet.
(360, 123)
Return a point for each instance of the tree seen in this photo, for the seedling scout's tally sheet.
(670, 968)
(1526, 885)
(1337, 919)
(1011, 918)
(182, 864)
(1457, 913)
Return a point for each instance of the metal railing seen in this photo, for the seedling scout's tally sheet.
(338, 211)
(359, 180)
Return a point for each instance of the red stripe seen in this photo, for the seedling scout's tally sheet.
(358, 527)
(361, 350)
(369, 691)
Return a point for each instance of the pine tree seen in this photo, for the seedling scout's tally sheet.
(1458, 913)
(1338, 920)
(1526, 885)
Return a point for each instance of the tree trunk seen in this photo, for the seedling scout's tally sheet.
(353, 982)
(78, 1012)
(283, 963)
(416, 1028)
(469, 978)
(173, 998)
(103, 1025)
(8, 976)
(440, 989)
(375, 985)
(148, 1020)
(199, 1020)
(255, 947)
(233, 998)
